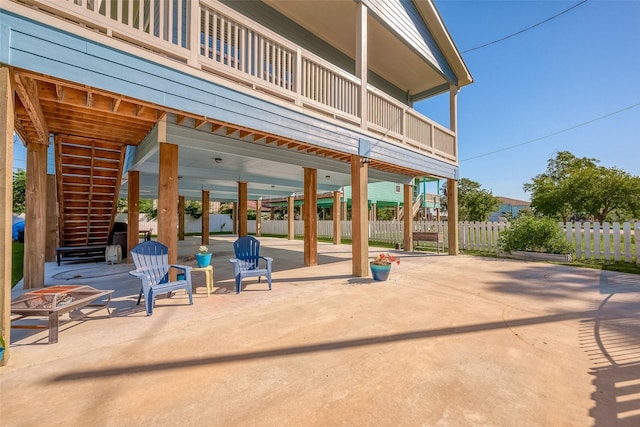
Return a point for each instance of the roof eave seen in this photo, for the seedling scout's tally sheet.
(441, 35)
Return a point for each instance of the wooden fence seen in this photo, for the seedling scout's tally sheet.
(591, 241)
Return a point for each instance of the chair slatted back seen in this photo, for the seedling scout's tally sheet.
(247, 249)
(152, 258)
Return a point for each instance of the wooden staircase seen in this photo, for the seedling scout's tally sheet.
(416, 207)
(88, 173)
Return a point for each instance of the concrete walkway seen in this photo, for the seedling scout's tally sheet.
(447, 341)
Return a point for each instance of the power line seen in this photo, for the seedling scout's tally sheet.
(526, 29)
(511, 147)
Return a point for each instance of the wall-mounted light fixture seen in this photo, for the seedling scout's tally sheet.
(218, 160)
(365, 160)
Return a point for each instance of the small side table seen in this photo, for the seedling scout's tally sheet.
(208, 275)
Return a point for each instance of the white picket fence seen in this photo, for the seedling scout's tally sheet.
(591, 241)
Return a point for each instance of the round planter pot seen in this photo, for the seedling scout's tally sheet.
(203, 260)
(380, 272)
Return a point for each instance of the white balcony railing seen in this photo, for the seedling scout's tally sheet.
(209, 36)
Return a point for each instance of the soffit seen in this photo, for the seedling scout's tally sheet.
(388, 56)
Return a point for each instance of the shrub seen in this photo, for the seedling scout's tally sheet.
(534, 234)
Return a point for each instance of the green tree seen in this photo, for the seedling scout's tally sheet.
(19, 190)
(598, 192)
(578, 186)
(474, 203)
(550, 190)
(193, 208)
(146, 207)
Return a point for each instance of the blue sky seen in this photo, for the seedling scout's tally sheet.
(577, 67)
(580, 66)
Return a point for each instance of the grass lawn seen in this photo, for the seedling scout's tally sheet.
(17, 256)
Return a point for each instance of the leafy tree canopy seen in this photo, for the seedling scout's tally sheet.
(474, 203)
(573, 187)
(19, 191)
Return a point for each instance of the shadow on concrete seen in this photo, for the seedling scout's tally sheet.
(609, 332)
(615, 352)
(140, 369)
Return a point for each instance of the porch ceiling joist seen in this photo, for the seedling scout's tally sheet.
(27, 90)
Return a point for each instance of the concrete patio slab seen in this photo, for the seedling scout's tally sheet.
(447, 341)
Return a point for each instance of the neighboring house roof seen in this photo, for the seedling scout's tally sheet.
(514, 202)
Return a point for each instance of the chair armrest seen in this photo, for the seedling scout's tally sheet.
(185, 268)
(268, 260)
(137, 273)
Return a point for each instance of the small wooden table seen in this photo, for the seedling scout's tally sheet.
(208, 276)
(55, 301)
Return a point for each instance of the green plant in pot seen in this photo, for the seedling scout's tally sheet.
(203, 257)
(381, 266)
(2, 347)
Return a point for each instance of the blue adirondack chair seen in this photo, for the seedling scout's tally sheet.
(152, 267)
(247, 261)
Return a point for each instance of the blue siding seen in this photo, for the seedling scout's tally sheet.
(403, 18)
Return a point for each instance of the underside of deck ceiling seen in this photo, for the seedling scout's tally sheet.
(84, 112)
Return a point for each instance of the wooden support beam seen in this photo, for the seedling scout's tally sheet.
(407, 237)
(310, 217)
(200, 123)
(133, 211)
(291, 215)
(180, 119)
(452, 216)
(337, 231)
(59, 92)
(51, 233)
(216, 127)
(244, 133)
(242, 208)
(89, 100)
(362, 65)
(234, 217)
(27, 90)
(115, 104)
(7, 118)
(180, 217)
(167, 196)
(35, 216)
(205, 217)
(359, 210)
(258, 217)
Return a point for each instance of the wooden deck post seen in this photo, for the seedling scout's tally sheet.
(181, 217)
(362, 65)
(52, 220)
(258, 217)
(359, 205)
(452, 216)
(167, 198)
(452, 184)
(310, 217)
(407, 219)
(242, 209)
(7, 115)
(35, 215)
(291, 214)
(337, 231)
(133, 211)
(205, 217)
